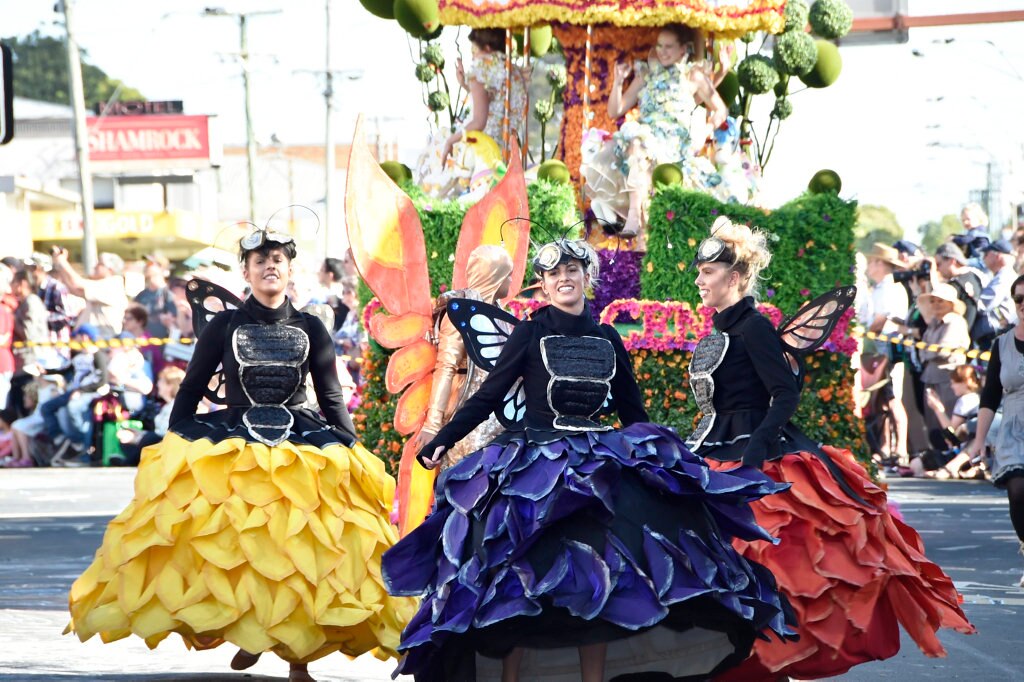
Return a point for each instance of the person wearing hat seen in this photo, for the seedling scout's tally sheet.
(885, 311)
(951, 263)
(995, 297)
(54, 296)
(947, 328)
(104, 292)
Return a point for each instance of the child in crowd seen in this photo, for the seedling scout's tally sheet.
(956, 428)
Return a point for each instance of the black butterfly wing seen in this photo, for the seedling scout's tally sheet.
(206, 300)
(485, 329)
(811, 326)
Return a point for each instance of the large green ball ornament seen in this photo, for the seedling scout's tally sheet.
(385, 9)
(398, 172)
(783, 109)
(438, 101)
(434, 55)
(794, 53)
(667, 174)
(540, 40)
(729, 88)
(419, 18)
(555, 171)
(796, 15)
(830, 19)
(826, 69)
(425, 72)
(757, 74)
(825, 180)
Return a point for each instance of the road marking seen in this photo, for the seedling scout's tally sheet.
(988, 532)
(58, 515)
(956, 549)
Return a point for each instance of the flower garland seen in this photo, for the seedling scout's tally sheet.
(733, 19)
(674, 325)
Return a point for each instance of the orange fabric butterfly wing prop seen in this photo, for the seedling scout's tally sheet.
(386, 238)
(485, 224)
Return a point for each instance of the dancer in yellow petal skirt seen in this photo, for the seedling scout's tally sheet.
(260, 524)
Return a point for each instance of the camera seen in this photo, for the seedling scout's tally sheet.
(923, 271)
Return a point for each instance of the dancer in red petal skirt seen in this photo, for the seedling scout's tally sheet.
(852, 571)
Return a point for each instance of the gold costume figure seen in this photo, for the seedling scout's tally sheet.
(456, 378)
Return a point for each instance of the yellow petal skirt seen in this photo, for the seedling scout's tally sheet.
(268, 548)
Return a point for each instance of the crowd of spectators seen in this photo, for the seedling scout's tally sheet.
(90, 363)
(921, 403)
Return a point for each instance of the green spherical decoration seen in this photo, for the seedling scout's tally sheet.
(667, 174)
(555, 171)
(540, 40)
(438, 101)
(729, 88)
(757, 74)
(825, 180)
(398, 172)
(418, 17)
(749, 37)
(435, 34)
(796, 15)
(434, 55)
(830, 19)
(794, 53)
(827, 68)
(425, 72)
(385, 9)
(783, 108)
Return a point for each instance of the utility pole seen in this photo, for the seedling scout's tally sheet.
(250, 136)
(89, 255)
(330, 161)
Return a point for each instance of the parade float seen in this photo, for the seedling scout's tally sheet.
(763, 51)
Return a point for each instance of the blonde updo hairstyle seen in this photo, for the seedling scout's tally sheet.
(751, 248)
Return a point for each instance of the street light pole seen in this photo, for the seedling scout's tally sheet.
(250, 135)
(81, 134)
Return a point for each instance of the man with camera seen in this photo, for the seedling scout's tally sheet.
(885, 312)
(104, 292)
(951, 263)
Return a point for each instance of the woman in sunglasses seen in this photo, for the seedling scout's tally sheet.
(262, 524)
(565, 543)
(1004, 386)
(850, 568)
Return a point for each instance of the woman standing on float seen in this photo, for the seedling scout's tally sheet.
(565, 548)
(262, 524)
(851, 570)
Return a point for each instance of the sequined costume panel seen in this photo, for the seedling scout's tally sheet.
(707, 356)
(270, 361)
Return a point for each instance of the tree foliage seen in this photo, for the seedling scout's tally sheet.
(935, 232)
(41, 72)
(875, 224)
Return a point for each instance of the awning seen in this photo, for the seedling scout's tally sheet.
(130, 234)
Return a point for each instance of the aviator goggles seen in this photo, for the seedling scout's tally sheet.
(258, 238)
(551, 255)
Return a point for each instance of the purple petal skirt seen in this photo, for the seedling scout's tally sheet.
(592, 537)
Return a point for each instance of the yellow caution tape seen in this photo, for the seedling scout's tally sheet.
(971, 353)
(120, 343)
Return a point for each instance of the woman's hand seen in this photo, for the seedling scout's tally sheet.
(449, 144)
(460, 74)
(431, 461)
(622, 71)
(974, 449)
(421, 440)
(934, 401)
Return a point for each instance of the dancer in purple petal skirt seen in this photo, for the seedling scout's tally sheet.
(566, 549)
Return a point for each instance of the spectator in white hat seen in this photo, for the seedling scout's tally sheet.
(104, 292)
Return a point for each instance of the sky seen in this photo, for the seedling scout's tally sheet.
(914, 133)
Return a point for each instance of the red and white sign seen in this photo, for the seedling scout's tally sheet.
(150, 141)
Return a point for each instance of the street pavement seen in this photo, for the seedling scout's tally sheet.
(52, 520)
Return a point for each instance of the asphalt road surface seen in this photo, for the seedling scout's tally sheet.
(52, 520)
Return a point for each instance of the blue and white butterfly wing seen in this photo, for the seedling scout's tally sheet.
(484, 328)
(206, 300)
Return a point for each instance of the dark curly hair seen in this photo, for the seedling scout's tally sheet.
(490, 39)
(684, 34)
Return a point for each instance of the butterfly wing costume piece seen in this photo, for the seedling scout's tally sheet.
(388, 248)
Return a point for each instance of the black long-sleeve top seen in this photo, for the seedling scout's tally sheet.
(756, 392)
(521, 357)
(214, 347)
(992, 393)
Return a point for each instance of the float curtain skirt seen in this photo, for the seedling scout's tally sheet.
(853, 572)
(620, 536)
(271, 548)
